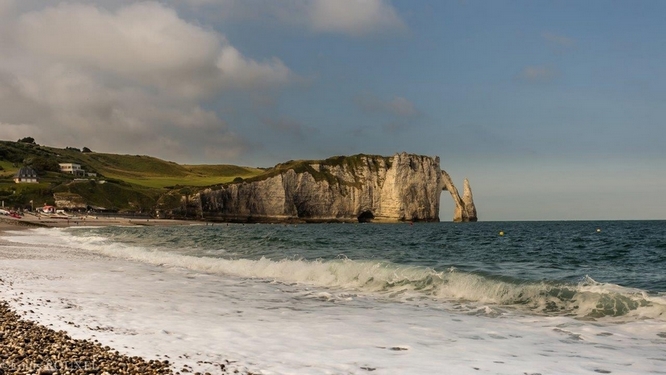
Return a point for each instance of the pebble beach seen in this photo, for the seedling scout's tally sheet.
(27, 347)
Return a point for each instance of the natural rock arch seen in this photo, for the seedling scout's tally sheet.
(404, 187)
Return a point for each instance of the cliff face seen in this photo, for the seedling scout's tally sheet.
(468, 202)
(404, 187)
(69, 201)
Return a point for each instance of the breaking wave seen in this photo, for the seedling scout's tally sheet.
(586, 299)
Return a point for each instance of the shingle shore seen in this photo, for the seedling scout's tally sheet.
(29, 348)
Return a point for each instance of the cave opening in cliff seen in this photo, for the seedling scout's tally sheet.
(365, 217)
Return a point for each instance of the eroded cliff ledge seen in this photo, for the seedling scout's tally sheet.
(404, 187)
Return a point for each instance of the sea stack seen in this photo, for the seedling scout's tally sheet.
(468, 202)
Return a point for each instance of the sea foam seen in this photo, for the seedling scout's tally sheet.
(271, 317)
(409, 284)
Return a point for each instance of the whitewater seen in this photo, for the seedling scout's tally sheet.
(543, 298)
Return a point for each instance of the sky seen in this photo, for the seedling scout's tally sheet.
(554, 110)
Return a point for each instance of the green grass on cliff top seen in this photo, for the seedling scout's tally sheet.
(139, 170)
(156, 173)
(352, 162)
(150, 172)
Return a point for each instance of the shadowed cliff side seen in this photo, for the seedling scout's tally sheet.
(404, 187)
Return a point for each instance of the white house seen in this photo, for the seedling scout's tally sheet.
(26, 175)
(47, 209)
(72, 168)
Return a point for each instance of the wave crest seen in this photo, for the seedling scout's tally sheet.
(587, 299)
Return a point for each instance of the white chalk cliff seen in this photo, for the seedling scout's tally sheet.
(404, 187)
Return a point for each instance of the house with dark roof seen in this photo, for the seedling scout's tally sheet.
(26, 175)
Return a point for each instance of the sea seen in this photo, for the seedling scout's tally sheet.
(557, 297)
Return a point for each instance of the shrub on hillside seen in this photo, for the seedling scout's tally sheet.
(41, 164)
(30, 140)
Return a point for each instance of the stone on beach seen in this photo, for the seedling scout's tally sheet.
(29, 348)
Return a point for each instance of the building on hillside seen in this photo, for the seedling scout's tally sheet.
(72, 168)
(47, 209)
(26, 175)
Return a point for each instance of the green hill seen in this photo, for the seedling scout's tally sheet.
(123, 182)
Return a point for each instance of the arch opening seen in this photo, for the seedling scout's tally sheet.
(446, 206)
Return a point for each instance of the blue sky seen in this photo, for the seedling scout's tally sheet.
(552, 109)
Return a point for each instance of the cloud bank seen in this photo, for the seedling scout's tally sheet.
(138, 77)
(133, 79)
(346, 17)
(354, 17)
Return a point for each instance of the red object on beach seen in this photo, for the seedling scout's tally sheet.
(14, 214)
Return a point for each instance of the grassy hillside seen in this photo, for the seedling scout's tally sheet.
(133, 182)
(112, 195)
(135, 169)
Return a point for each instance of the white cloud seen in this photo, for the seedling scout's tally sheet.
(347, 17)
(239, 71)
(132, 79)
(146, 43)
(5, 7)
(354, 17)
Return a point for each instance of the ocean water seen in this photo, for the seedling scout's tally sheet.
(437, 298)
